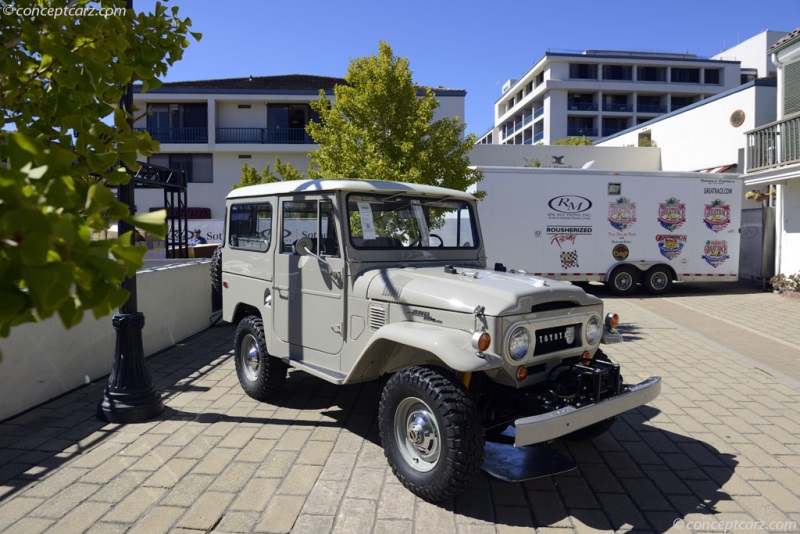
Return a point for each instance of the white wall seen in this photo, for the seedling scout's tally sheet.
(789, 235)
(229, 115)
(44, 360)
(752, 53)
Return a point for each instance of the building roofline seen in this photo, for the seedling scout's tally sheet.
(761, 82)
(785, 41)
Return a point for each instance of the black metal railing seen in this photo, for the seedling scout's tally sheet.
(178, 135)
(264, 135)
(774, 145)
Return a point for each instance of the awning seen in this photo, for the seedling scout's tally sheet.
(724, 168)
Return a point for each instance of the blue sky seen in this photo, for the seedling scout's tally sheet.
(470, 45)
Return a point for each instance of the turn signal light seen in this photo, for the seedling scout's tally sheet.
(612, 320)
(481, 341)
(587, 358)
(522, 373)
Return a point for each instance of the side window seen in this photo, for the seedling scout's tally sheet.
(330, 239)
(299, 220)
(250, 226)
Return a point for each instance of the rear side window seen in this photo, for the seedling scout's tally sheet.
(250, 226)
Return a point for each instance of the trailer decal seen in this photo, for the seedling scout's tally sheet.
(717, 215)
(569, 259)
(671, 214)
(620, 252)
(622, 213)
(671, 246)
(715, 252)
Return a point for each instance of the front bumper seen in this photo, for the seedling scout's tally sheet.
(552, 425)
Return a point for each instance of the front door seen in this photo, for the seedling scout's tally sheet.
(309, 295)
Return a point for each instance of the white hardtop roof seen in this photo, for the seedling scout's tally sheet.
(360, 186)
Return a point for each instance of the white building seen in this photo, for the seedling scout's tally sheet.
(599, 93)
(209, 128)
(772, 155)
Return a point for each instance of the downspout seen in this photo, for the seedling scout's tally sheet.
(778, 188)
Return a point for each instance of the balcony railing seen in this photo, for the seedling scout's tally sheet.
(580, 132)
(617, 107)
(582, 106)
(774, 145)
(538, 113)
(177, 135)
(538, 137)
(651, 108)
(264, 135)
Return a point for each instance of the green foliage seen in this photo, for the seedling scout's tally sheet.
(782, 282)
(535, 162)
(381, 127)
(59, 76)
(574, 141)
(283, 172)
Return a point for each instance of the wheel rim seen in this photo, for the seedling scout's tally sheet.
(417, 434)
(623, 281)
(248, 357)
(659, 281)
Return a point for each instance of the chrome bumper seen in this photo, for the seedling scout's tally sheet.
(552, 425)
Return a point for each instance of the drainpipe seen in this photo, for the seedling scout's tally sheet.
(778, 188)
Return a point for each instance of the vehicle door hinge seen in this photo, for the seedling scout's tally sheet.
(337, 327)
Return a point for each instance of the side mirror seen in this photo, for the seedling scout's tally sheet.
(303, 246)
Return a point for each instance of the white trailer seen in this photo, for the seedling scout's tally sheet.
(621, 228)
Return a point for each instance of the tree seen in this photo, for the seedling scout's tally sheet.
(63, 70)
(283, 172)
(381, 127)
(574, 141)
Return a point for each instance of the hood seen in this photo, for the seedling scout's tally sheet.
(463, 289)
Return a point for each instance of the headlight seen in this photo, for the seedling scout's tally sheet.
(593, 330)
(518, 343)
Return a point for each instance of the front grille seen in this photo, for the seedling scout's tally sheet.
(557, 338)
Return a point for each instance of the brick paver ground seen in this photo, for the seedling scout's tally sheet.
(719, 448)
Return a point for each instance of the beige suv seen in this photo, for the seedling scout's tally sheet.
(355, 280)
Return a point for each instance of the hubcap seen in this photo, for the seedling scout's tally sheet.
(658, 281)
(417, 434)
(624, 281)
(248, 357)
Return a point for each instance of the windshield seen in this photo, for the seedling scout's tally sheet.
(401, 221)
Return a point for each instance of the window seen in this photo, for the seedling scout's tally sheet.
(617, 72)
(251, 227)
(711, 76)
(301, 218)
(685, 75)
(178, 123)
(651, 74)
(581, 71)
(540, 78)
(397, 221)
(681, 102)
(198, 167)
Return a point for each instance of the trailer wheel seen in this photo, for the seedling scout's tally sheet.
(431, 433)
(657, 280)
(623, 280)
(261, 376)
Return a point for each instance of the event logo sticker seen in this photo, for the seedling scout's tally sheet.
(620, 252)
(715, 253)
(569, 259)
(671, 246)
(622, 213)
(717, 215)
(671, 214)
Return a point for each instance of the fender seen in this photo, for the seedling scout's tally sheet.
(399, 345)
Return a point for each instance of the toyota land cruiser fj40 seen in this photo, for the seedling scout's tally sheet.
(356, 280)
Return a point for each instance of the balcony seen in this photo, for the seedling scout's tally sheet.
(651, 108)
(774, 145)
(264, 135)
(538, 113)
(538, 137)
(177, 135)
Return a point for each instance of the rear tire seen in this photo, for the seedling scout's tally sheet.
(657, 280)
(623, 280)
(216, 271)
(261, 376)
(431, 433)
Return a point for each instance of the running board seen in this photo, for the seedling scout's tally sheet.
(333, 377)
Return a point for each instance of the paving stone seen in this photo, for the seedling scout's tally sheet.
(281, 514)
(256, 494)
(206, 512)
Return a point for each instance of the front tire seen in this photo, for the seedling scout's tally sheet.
(431, 433)
(261, 376)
